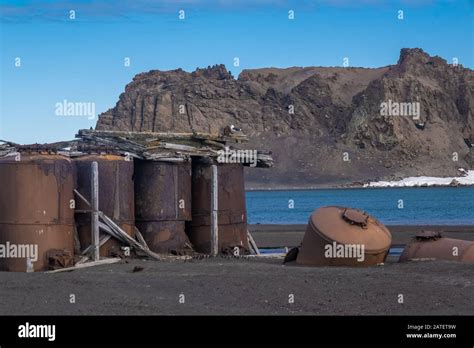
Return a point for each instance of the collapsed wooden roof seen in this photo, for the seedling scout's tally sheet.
(168, 147)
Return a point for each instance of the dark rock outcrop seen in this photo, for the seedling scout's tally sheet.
(325, 126)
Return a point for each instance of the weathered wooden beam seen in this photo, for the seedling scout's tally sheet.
(82, 197)
(95, 210)
(86, 265)
(135, 244)
(146, 136)
(103, 239)
(252, 243)
(214, 212)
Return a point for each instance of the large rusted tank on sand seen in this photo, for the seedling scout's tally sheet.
(337, 236)
(232, 213)
(116, 197)
(163, 204)
(431, 245)
(36, 208)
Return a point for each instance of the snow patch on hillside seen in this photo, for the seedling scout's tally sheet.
(466, 179)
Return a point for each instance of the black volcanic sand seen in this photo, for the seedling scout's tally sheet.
(229, 286)
(225, 286)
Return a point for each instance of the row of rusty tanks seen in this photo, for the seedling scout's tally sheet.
(38, 205)
(173, 206)
(171, 203)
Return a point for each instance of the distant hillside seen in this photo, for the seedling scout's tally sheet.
(336, 133)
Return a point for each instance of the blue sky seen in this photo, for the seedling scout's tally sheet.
(82, 60)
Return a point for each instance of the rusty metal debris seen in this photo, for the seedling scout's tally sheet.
(431, 245)
(337, 236)
(59, 259)
(427, 235)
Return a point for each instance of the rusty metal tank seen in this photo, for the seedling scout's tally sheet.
(338, 236)
(163, 204)
(232, 213)
(36, 196)
(116, 197)
(431, 245)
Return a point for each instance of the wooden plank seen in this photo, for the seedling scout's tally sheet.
(179, 147)
(141, 240)
(86, 265)
(146, 136)
(214, 212)
(215, 144)
(102, 241)
(95, 210)
(252, 243)
(82, 197)
(133, 243)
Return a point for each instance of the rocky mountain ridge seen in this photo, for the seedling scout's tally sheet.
(324, 126)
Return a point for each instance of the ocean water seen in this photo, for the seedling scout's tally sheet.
(392, 206)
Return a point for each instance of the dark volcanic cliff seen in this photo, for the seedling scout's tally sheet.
(336, 133)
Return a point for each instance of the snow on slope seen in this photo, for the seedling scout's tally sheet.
(467, 179)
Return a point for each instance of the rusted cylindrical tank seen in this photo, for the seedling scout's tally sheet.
(337, 236)
(163, 204)
(116, 197)
(431, 245)
(36, 209)
(232, 213)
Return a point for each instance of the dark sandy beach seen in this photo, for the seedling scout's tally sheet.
(225, 286)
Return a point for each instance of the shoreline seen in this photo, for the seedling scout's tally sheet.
(350, 187)
(396, 228)
(465, 178)
(272, 236)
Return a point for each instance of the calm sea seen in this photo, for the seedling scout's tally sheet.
(392, 206)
